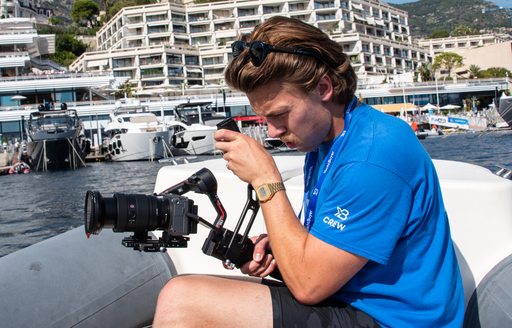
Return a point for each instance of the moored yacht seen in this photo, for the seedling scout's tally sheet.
(55, 139)
(505, 108)
(135, 134)
(194, 128)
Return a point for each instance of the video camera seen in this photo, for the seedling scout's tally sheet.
(176, 215)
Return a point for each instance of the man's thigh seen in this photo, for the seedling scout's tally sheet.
(212, 301)
(288, 312)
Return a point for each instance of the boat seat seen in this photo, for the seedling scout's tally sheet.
(491, 302)
(70, 281)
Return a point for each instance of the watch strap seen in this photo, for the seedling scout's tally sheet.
(272, 187)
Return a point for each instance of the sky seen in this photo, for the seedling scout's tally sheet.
(502, 3)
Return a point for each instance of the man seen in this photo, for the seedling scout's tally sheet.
(25, 158)
(372, 246)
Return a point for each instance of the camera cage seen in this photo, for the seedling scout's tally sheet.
(231, 247)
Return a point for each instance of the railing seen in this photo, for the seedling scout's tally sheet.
(48, 63)
(50, 76)
(461, 82)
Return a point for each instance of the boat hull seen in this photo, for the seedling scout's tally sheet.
(505, 109)
(194, 140)
(56, 153)
(70, 281)
(138, 146)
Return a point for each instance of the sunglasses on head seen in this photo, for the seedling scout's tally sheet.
(259, 50)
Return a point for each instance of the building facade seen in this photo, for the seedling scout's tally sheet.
(482, 50)
(25, 9)
(174, 45)
(464, 42)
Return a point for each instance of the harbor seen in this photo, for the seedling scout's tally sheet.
(53, 212)
(36, 206)
(65, 117)
(128, 124)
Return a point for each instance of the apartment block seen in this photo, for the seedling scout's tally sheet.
(25, 9)
(465, 42)
(177, 45)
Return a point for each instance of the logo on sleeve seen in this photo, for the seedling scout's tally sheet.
(340, 216)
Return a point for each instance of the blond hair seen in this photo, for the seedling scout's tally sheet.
(301, 71)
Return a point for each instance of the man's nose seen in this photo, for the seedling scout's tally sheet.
(274, 131)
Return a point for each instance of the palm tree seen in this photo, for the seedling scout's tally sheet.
(474, 71)
(124, 90)
(426, 72)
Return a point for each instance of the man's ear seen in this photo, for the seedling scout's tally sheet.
(325, 88)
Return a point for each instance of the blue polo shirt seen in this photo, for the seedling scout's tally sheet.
(381, 200)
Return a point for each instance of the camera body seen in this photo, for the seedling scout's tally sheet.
(176, 216)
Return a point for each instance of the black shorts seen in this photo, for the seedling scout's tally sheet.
(288, 312)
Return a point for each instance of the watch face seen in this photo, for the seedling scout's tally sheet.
(263, 192)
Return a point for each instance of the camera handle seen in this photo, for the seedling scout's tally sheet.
(232, 248)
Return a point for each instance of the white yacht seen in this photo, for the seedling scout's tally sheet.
(505, 108)
(135, 134)
(194, 128)
(119, 287)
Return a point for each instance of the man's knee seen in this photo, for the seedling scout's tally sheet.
(173, 301)
(176, 288)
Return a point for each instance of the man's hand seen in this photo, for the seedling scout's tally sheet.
(263, 263)
(247, 158)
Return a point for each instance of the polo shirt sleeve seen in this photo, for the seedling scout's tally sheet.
(363, 208)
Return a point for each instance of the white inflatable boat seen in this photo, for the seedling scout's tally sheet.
(71, 281)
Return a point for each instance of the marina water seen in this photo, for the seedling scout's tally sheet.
(39, 205)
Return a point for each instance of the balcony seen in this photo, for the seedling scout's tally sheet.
(151, 73)
(121, 63)
(150, 60)
(324, 5)
(267, 10)
(157, 18)
(201, 17)
(178, 18)
(157, 29)
(222, 13)
(301, 6)
(242, 12)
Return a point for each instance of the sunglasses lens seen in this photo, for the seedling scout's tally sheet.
(258, 53)
(237, 47)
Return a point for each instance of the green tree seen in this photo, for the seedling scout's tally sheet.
(447, 61)
(474, 71)
(463, 30)
(68, 42)
(114, 6)
(124, 90)
(496, 72)
(439, 34)
(84, 10)
(67, 49)
(64, 58)
(426, 72)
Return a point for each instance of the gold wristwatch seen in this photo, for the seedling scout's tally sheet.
(266, 191)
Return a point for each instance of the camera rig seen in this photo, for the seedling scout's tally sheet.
(176, 216)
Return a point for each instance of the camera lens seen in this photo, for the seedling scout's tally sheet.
(95, 208)
(125, 212)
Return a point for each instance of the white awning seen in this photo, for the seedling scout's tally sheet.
(380, 22)
(194, 70)
(97, 63)
(362, 19)
(371, 20)
(357, 6)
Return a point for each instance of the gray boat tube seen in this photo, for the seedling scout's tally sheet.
(70, 281)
